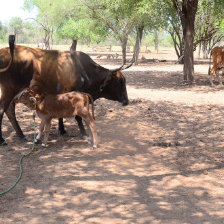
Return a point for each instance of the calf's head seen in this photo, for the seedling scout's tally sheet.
(28, 98)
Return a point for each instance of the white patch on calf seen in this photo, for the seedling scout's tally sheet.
(38, 136)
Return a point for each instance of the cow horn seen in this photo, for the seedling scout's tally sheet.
(128, 66)
(11, 46)
(116, 69)
(122, 67)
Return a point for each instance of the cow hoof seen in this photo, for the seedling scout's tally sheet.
(21, 136)
(3, 143)
(94, 146)
(43, 145)
(63, 132)
(23, 139)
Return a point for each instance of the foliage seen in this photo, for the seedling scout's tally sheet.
(207, 23)
(82, 29)
(16, 25)
(3, 32)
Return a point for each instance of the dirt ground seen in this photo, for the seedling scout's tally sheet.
(160, 159)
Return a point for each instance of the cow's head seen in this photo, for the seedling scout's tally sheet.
(114, 86)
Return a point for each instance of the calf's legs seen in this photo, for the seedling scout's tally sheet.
(41, 129)
(90, 123)
(46, 132)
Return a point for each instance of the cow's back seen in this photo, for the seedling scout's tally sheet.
(56, 71)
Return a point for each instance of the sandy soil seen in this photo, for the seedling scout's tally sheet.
(160, 158)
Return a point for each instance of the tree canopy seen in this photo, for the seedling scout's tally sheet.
(94, 21)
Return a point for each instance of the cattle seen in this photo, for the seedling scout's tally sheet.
(217, 54)
(66, 105)
(59, 72)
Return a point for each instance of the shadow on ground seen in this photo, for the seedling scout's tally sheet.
(158, 162)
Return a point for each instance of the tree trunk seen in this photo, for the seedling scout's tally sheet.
(156, 42)
(47, 39)
(138, 43)
(205, 52)
(199, 50)
(188, 53)
(17, 38)
(74, 45)
(124, 46)
(187, 15)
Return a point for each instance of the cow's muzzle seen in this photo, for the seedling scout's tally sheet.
(125, 102)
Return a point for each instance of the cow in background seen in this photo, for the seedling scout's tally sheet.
(216, 72)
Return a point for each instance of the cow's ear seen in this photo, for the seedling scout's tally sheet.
(114, 74)
(105, 82)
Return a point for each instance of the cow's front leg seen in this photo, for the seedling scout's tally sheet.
(211, 78)
(12, 118)
(219, 75)
(61, 126)
(81, 127)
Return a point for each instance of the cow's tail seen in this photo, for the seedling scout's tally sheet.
(91, 100)
(11, 47)
(209, 69)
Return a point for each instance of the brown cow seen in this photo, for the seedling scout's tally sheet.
(59, 72)
(217, 54)
(66, 105)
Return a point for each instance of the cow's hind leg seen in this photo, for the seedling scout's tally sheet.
(4, 104)
(81, 127)
(2, 140)
(211, 76)
(10, 112)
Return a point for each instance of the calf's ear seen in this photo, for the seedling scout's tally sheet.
(33, 99)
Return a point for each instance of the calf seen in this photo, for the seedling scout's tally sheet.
(61, 105)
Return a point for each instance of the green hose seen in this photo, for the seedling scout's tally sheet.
(20, 161)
